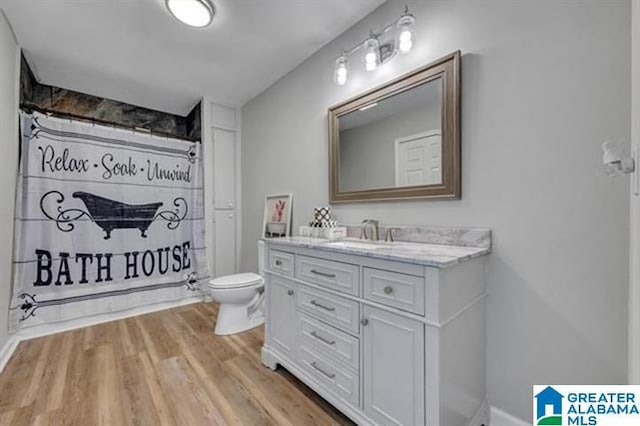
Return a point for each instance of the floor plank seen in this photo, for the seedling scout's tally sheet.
(164, 368)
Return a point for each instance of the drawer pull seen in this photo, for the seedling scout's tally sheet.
(388, 290)
(329, 375)
(278, 262)
(322, 339)
(290, 292)
(364, 322)
(322, 274)
(320, 305)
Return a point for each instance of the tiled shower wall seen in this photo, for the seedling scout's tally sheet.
(65, 101)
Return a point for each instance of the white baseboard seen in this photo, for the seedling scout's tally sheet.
(7, 351)
(58, 327)
(501, 418)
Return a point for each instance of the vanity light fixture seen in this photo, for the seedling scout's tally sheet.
(405, 32)
(195, 13)
(342, 70)
(379, 47)
(371, 53)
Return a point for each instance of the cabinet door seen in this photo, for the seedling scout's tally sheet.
(393, 368)
(225, 243)
(224, 168)
(282, 305)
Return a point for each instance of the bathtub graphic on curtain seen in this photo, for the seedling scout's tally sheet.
(110, 214)
(106, 220)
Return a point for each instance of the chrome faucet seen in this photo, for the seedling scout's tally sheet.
(373, 224)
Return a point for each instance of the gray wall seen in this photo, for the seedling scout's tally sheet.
(8, 164)
(367, 153)
(543, 84)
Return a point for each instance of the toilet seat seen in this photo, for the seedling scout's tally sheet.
(236, 281)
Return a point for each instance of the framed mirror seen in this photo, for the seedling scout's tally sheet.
(400, 140)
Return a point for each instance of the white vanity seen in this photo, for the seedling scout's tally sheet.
(390, 334)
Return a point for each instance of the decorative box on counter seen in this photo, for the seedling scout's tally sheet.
(323, 225)
(328, 233)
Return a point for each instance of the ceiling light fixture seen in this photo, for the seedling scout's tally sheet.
(380, 47)
(195, 13)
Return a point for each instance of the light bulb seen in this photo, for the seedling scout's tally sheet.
(341, 76)
(404, 41)
(405, 46)
(405, 36)
(372, 53)
(341, 72)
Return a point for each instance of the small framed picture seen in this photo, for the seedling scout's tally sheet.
(277, 216)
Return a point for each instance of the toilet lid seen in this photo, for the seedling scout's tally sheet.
(236, 280)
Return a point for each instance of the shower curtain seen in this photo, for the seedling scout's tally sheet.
(106, 220)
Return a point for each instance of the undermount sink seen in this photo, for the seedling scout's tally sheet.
(358, 244)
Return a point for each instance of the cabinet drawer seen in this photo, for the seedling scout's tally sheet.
(402, 291)
(340, 380)
(336, 310)
(334, 275)
(329, 341)
(281, 262)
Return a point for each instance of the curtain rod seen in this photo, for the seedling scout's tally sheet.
(29, 107)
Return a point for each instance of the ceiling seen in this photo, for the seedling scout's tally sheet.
(134, 51)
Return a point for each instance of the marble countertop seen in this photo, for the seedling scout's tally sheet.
(427, 254)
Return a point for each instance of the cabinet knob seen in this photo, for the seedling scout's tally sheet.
(230, 204)
(230, 216)
(388, 290)
(278, 262)
(364, 322)
(290, 292)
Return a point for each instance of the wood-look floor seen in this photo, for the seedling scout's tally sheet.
(164, 368)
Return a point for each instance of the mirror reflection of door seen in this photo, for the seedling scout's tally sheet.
(389, 143)
(419, 159)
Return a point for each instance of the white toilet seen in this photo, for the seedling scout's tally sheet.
(241, 297)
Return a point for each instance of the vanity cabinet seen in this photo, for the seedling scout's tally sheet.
(283, 330)
(386, 342)
(393, 368)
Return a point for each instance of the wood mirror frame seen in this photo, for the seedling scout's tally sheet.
(447, 68)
